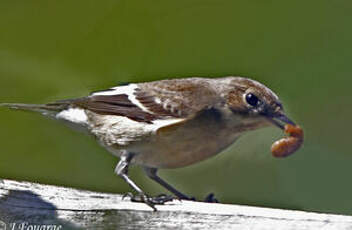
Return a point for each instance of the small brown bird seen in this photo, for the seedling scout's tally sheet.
(169, 123)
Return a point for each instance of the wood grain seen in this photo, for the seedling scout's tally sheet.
(77, 209)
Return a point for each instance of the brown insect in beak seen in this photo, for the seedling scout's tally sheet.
(289, 144)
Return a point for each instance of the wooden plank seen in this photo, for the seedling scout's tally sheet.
(37, 205)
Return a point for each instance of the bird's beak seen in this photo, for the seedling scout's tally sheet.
(280, 119)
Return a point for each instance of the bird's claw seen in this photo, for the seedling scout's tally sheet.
(129, 195)
(162, 198)
(211, 198)
(150, 201)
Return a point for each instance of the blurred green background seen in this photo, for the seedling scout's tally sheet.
(52, 50)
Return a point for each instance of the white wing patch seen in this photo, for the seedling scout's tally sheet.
(74, 115)
(125, 89)
(128, 90)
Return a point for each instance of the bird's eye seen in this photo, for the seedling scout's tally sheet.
(252, 99)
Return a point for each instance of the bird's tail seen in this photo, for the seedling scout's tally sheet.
(46, 109)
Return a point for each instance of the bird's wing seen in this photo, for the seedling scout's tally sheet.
(146, 102)
(178, 98)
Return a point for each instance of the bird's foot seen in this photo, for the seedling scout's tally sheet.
(162, 198)
(129, 195)
(210, 198)
(150, 201)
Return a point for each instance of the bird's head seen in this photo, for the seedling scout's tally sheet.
(255, 102)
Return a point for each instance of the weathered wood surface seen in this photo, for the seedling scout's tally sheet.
(67, 208)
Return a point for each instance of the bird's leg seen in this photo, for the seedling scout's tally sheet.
(152, 174)
(122, 171)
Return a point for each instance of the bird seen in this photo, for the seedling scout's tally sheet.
(169, 123)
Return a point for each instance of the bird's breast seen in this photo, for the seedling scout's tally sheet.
(187, 143)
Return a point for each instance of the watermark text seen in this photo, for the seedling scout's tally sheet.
(29, 226)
